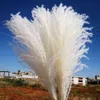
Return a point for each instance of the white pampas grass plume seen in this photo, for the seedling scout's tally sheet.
(52, 44)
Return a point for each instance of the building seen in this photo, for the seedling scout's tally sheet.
(4, 74)
(25, 75)
(97, 78)
(79, 80)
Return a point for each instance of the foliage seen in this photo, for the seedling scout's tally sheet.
(38, 85)
(15, 82)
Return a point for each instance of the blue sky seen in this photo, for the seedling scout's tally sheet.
(8, 59)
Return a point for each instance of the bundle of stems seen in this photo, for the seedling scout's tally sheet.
(52, 44)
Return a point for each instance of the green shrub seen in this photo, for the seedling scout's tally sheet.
(36, 85)
(77, 92)
(15, 82)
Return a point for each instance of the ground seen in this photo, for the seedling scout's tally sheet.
(9, 92)
(23, 93)
(28, 93)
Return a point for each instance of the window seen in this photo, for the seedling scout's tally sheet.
(80, 80)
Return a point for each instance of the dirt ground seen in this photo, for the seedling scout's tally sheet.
(28, 93)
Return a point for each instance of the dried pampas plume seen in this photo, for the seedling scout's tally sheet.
(52, 44)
